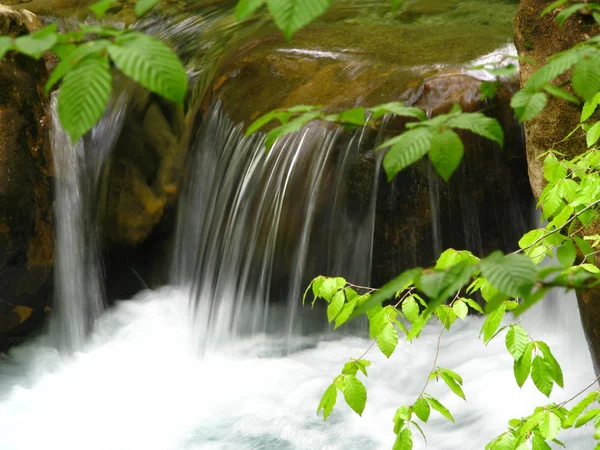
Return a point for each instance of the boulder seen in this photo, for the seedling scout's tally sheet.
(26, 227)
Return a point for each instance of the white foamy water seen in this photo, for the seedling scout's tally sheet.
(137, 385)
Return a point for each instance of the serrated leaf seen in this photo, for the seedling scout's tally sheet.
(291, 15)
(336, 305)
(561, 93)
(6, 45)
(451, 257)
(527, 105)
(292, 126)
(83, 95)
(446, 152)
(355, 394)
(492, 323)
(593, 134)
(453, 385)
(345, 313)
(355, 116)
(513, 275)
(505, 441)
(566, 253)
(404, 441)
(330, 286)
(579, 408)
(549, 425)
(328, 401)
(398, 109)
(435, 404)
(410, 308)
(460, 309)
(556, 66)
(36, 44)
(522, 366)
(538, 443)
(479, 124)
(591, 414)
(473, 304)
(422, 409)
(553, 364)
(542, 376)
(589, 107)
(406, 149)
(516, 341)
(151, 63)
(586, 77)
(387, 339)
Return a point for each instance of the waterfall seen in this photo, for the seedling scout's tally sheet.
(78, 283)
(255, 227)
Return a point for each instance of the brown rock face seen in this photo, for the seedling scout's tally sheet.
(26, 231)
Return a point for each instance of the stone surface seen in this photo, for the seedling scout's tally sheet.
(538, 38)
(26, 230)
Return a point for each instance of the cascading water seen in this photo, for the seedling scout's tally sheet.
(77, 280)
(251, 223)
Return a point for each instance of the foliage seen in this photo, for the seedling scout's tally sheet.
(508, 284)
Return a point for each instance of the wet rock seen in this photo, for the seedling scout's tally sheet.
(26, 227)
(536, 39)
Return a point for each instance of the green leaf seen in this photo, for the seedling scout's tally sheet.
(579, 408)
(542, 376)
(410, 308)
(516, 341)
(589, 107)
(6, 45)
(446, 152)
(553, 6)
(143, 6)
(291, 15)
(84, 95)
(453, 385)
(556, 66)
(355, 394)
(404, 441)
(101, 7)
(328, 401)
(422, 409)
(505, 441)
(292, 126)
(479, 124)
(593, 134)
(244, 8)
(407, 149)
(336, 305)
(492, 323)
(561, 93)
(566, 253)
(451, 257)
(70, 60)
(591, 414)
(555, 368)
(586, 77)
(527, 105)
(152, 64)
(388, 290)
(387, 339)
(354, 116)
(435, 404)
(513, 275)
(585, 248)
(522, 366)
(550, 425)
(345, 313)
(36, 44)
(473, 304)
(330, 287)
(538, 443)
(460, 309)
(553, 168)
(398, 109)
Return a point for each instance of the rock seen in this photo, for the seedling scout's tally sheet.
(536, 39)
(26, 227)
